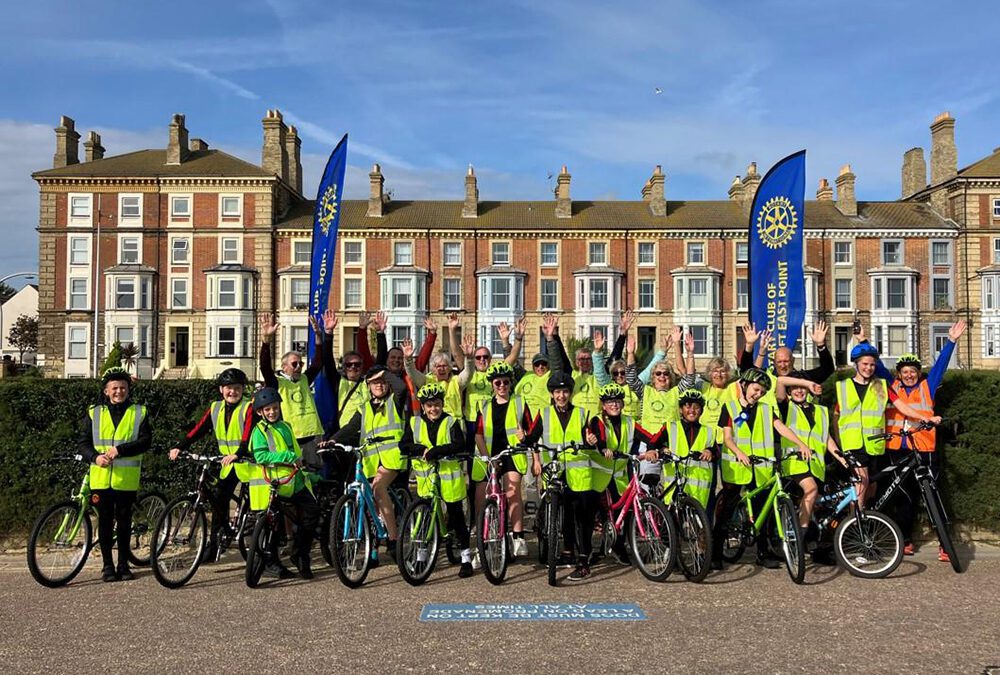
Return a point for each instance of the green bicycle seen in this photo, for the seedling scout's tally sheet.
(63, 536)
(743, 529)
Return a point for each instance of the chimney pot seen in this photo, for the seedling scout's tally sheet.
(376, 197)
(67, 143)
(564, 204)
(736, 190)
(92, 148)
(824, 192)
(470, 208)
(847, 202)
(198, 144)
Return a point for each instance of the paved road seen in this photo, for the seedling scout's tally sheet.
(924, 619)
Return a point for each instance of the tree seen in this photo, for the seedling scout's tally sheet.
(129, 354)
(114, 359)
(23, 335)
(6, 292)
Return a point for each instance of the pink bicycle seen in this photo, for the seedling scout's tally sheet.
(491, 533)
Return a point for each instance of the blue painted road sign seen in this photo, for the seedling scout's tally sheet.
(534, 612)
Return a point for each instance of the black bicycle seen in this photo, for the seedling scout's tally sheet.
(180, 535)
(914, 463)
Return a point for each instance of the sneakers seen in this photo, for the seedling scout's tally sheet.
(565, 560)
(581, 573)
(767, 562)
(465, 571)
(108, 574)
(908, 548)
(943, 556)
(277, 571)
(520, 547)
(305, 568)
(124, 573)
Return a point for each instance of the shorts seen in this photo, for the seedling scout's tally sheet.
(507, 465)
(864, 459)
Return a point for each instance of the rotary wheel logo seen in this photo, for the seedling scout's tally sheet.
(328, 209)
(776, 222)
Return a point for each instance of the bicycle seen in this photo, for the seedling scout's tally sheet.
(652, 537)
(867, 543)
(181, 531)
(921, 471)
(694, 534)
(421, 530)
(491, 534)
(267, 529)
(743, 529)
(63, 536)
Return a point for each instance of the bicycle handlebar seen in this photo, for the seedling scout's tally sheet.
(922, 425)
(295, 468)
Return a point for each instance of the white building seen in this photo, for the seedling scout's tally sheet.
(25, 301)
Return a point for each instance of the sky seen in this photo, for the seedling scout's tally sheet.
(516, 88)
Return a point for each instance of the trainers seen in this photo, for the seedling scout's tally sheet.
(278, 571)
(475, 559)
(565, 560)
(465, 570)
(581, 573)
(768, 562)
(943, 556)
(305, 568)
(520, 548)
(124, 573)
(908, 548)
(108, 574)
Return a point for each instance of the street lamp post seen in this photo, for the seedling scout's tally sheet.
(3, 337)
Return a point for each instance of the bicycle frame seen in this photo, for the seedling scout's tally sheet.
(773, 485)
(363, 494)
(629, 501)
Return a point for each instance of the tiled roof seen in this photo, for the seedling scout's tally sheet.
(231, 268)
(607, 215)
(988, 167)
(152, 164)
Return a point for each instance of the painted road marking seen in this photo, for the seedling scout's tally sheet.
(533, 612)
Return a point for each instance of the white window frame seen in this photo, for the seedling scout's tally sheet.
(608, 290)
(307, 245)
(996, 250)
(85, 251)
(542, 294)
(640, 284)
(498, 260)
(745, 245)
(122, 238)
(743, 305)
(85, 294)
(991, 341)
(948, 248)
(907, 304)
(218, 341)
(84, 219)
(691, 294)
(902, 256)
(709, 335)
(115, 293)
(850, 295)
(129, 220)
(850, 253)
(292, 283)
(951, 293)
(360, 260)
(487, 293)
(996, 207)
(639, 253)
(397, 247)
(445, 295)
(186, 248)
(361, 293)
(173, 293)
(217, 292)
(230, 219)
(239, 250)
(991, 292)
(409, 293)
(541, 253)
(85, 329)
(181, 217)
(449, 249)
(692, 246)
(600, 247)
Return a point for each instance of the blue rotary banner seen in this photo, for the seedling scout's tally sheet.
(326, 219)
(777, 283)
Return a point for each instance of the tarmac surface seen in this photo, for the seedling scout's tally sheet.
(924, 618)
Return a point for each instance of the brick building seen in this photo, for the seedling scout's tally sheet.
(195, 242)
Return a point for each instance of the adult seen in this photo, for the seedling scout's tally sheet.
(394, 361)
(533, 386)
(659, 391)
(346, 383)
(475, 362)
(115, 435)
(586, 393)
(614, 373)
(784, 360)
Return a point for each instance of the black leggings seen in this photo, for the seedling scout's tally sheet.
(308, 508)
(579, 513)
(457, 524)
(221, 497)
(114, 519)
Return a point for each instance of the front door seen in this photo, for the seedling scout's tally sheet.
(180, 347)
(841, 341)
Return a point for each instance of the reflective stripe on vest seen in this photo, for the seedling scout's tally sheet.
(861, 419)
(815, 436)
(920, 399)
(624, 446)
(349, 406)
(449, 471)
(715, 401)
(535, 390)
(298, 408)
(512, 423)
(386, 423)
(757, 442)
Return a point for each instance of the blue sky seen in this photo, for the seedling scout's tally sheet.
(517, 88)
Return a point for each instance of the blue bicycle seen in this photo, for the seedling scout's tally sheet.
(355, 526)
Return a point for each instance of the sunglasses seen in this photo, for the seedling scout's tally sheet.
(617, 373)
(502, 383)
(482, 357)
(295, 364)
(661, 374)
(352, 364)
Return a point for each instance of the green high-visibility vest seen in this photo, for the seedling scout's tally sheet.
(698, 472)
(386, 423)
(619, 443)
(758, 443)
(860, 419)
(659, 408)
(578, 464)
(349, 403)
(478, 391)
(512, 422)
(123, 472)
(535, 390)
(715, 401)
(277, 437)
(814, 435)
(633, 406)
(452, 395)
(453, 483)
(586, 393)
(298, 407)
(230, 436)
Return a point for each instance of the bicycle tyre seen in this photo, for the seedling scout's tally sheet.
(791, 541)
(259, 551)
(734, 539)
(553, 528)
(451, 550)
(653, 554)
(694, 538)
(607, 537)
(146, 512)
(861, 538)
(492, 542)
(935, 510)
(244, 532)
(351, 555)
(418, 534)
(540, 532)
(177, 528)
(68, 554)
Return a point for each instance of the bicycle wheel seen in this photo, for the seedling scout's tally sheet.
(59, 544)
(244, 531)
(694, 537)
(417, 544)
(870, 546)
(791, 539)
(179, 538)
(147, 510)
(401, 500)
(324, 538)
(653, 539)
(259, 551)
(492, 541)
(541, 532)
(935, 510)
(604, 533)
(553, 528)
(350, 541)
(734, 535)
(451, 550)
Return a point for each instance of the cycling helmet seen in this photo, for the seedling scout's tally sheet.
(375, 372)
(612, 392)
(863, 349)
(755, 376)
(691, 396)
(265, 397)
(560, 381)
(499, 369)
(231, 376)
(116, 373)
(431, 392)
(909, 360)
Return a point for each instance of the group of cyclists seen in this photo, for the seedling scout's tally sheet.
(410, 409)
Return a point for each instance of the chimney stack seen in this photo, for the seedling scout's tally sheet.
(67, 144)
(736, 190)
(944, 155)
(177, 145)
(564, 205)
(914, 172)
(657, 193)
(824, 193)
(198, 144)
(846, 201)
(92, 148)
(274, 154)
(646, 190)
(470, 209)
(375, 197)
(293, 148)
(750, 183)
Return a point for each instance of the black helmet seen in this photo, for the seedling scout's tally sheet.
(116, 373)
(265, 397)
(560, 381)
(756, 376)
(231, 376)
(375, 372)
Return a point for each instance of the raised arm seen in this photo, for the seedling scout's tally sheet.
(457, 352)
(416, 375)
(364, 349)
(381, 320)
(677, 337)
(424, 357)
(316, 365)
(268, 327)
(750, 336)
(329, 362)
(600, 363)
(515, 351)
